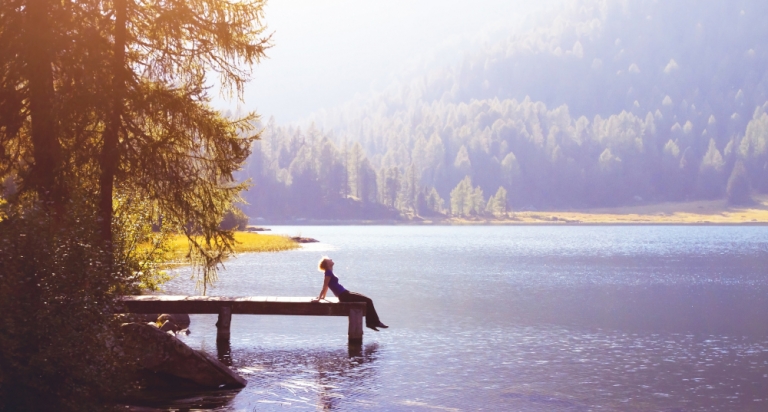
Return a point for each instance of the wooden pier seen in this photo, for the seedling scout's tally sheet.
(225, 307)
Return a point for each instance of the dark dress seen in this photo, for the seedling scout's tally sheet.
(371, 317)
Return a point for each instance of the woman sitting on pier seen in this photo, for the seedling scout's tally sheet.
(331, 281)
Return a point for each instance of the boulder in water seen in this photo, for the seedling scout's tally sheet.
(299, 239)
(161, 352)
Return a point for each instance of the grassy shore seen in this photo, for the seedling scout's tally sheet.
(245, 242)
(673, 213)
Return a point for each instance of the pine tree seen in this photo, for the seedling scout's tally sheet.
(435, 202)
(368, 183)
(497, 204)
(477, 202)
(354, 161)
(106, 129)
(461, 198)
(131, 118)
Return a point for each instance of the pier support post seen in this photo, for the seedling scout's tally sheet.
(224, 351)
(355, 326)
(222, 326)
(355, 350)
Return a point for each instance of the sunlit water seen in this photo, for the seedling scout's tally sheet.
(505, 318)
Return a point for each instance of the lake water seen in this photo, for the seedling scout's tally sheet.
(540, 318)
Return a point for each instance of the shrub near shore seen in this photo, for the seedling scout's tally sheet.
(178, 246)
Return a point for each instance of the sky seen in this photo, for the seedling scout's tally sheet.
(326, 52)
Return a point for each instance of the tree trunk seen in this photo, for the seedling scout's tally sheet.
(109, 153)
(47, 168)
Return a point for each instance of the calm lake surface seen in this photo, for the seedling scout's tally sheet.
(541, 318)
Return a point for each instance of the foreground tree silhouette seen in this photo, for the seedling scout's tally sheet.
(183, 153)
(130, 113)
(105, 129)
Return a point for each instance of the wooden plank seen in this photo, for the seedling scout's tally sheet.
(252, 299)
(245, 305)
(293, 308)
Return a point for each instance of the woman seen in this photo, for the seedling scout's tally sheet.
(331, 281)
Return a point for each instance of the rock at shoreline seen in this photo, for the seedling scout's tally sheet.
(180, 319)
(256, 229)
(161, 352)
(169, 326)
(300, 239)
(137, 317)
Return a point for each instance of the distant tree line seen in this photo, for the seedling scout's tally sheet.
(489, 157)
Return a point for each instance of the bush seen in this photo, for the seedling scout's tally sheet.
(234, 219)
(57, 293)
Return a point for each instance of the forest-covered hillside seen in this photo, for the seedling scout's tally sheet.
(593, 107)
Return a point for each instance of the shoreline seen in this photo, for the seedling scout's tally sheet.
(449, 222)
(693, 213)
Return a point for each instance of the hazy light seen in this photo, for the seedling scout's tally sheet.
(326, 52)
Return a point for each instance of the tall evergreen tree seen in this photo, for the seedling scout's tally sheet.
(497, 204)
(104, 116)
(461, 198)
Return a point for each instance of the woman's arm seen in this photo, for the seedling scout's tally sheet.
(325, 288)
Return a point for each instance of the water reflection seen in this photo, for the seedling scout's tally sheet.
(189, 400)
(224, 351)
(322, 379)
